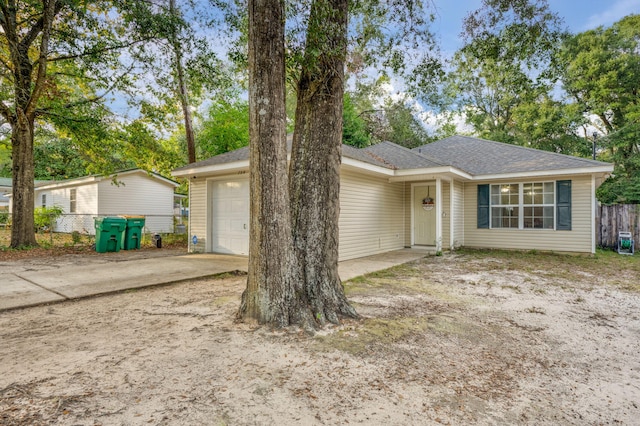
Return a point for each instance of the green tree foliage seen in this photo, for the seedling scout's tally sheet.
(354, 127)
(379, 117)
(178, 65)
(225, 128)
(403, 126)
(496, 78)
(551, 125)
(58, 158)
(599, 70)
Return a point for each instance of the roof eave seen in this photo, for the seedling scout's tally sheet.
(543, 173)
(411, 174)
(98, 178)
(346, 161)
(70, 182)
(211, 169)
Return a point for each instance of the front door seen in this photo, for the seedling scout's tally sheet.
(424, 216)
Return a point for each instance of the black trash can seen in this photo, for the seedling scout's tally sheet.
(157, 240)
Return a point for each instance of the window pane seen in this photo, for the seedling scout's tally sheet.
(495, 194)
(537, 198)
(538, 217)
(504, 217)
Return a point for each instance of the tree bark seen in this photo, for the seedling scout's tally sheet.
(23, 173)
(27, 91)
(183, 94)
(271, 294)
(315, 161)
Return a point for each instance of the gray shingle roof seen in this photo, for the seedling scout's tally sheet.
(365, 156)
(471, 155)
(242, 154)
(228, 157)
(6, 182)
(400, 157)
(482, 157)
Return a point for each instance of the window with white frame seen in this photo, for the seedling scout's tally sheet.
(523, 206)
(44, 200)
(538, 205)
(72, 200)
(505, 206)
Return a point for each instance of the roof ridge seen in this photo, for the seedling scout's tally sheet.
(573, 157)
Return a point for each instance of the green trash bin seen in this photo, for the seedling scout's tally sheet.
(133, 233)
(109, 235)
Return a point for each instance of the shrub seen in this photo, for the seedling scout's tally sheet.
(45, 216)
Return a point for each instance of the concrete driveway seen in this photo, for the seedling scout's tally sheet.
(24, 288)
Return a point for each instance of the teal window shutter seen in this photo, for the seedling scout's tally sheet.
(563, 205)
(483, 206)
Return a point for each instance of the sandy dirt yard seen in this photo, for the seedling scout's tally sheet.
(465, 338)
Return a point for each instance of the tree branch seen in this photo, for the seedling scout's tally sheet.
(46, 111)
(370, 111)
(97, 51)
(73, 118)
(48, 14)
(39, 26)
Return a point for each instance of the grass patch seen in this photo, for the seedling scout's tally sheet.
(373, 331)
(399, 271)
(605, 265)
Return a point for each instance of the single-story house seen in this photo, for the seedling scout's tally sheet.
(129, 192)
(458, 191)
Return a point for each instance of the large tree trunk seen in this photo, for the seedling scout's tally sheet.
(27, 91)
(23, 169)
(315, 161)
(271, 296)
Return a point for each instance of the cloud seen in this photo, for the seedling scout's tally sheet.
(614, 13)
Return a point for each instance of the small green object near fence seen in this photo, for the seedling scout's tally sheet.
(109, 233)
(133, 232)
(625, 243)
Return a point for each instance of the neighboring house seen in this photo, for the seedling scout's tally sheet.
(459, 191)
(129, 192)
(5, 190)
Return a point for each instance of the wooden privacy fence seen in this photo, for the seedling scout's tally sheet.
(617, 218)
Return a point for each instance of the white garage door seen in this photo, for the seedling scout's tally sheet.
(230, 216)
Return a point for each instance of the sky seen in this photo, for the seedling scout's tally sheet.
(579, 16)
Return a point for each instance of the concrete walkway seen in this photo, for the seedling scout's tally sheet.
(29, 288)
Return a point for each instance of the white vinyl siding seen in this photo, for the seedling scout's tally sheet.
(138, 194)
(408, 212)
(446, 215)
(82, 220)
(198, 215)
(372, 216)
(576, 240)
